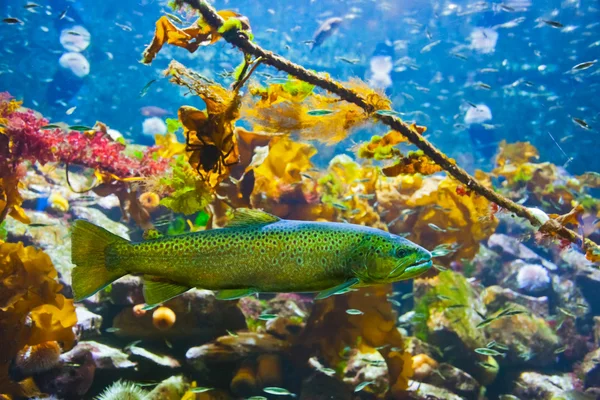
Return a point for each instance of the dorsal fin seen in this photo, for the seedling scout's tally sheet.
(150, 234)
(248, 217)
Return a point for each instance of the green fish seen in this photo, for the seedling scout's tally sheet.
(257, 252)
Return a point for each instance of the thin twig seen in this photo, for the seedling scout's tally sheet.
(241, 41)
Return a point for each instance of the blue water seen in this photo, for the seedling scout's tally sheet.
(433, 88)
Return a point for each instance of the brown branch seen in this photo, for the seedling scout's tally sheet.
(240, 40)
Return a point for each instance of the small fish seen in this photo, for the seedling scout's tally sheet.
(39, 225)
(487, 365)
(488, 352)
(362, 385)
(443, 297)
(560, 350)
(354, 311)
(153, 111)
(459, 56)
(395, 302)
(319, 113)
(50, 126)
(581, 123)
(278, 391)
(484, 86)
(64, 13)
(325, 30)
(430, 46)
(370, 196)
(267, 317)
(327, 371)
(146, 87)
(174, 18)
(406, 296)
(435, 227)
(201, 389)
(12, 21)
(126, 28)
(230, 333)
(454, 306)
(349, 60)
(340, 206)
(277, 81)
(31, 5)
(567, 312)
(584, 65)
(504, 7)
(390, 113)
(71, 110)
(554, 24)
(80, 128)
(112, 329)
(257, 398)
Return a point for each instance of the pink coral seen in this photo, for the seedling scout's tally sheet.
(26, 140)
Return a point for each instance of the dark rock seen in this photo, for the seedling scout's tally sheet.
(590, 368)
(588, 280)
(511, 248)
(415, 346)
(199, 317)
(103, 356)
(569, 297)
(455, 380)
(530, 339)
(495, 298)
(71, 380)
(88, 323)
(426, 391)
(322, 387)
(127, 291)
(290, 305)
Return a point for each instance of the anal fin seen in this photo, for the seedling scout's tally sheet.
(234, 294)
(157, 291)
(339, 288)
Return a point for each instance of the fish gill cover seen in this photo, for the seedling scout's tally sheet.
(336, 125)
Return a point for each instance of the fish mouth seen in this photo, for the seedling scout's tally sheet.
(416, 268)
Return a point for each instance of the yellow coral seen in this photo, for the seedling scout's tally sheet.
(32, 310)
(434, 213)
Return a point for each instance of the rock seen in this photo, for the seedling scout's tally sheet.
(588, 280)
(530, 339)
(425, 391)
(366, 367)
(234, 348)
(487, 265)
(97, 217)
(423, 366)
(495, 298)
(69, 380)
(284, 328)
(452, 328)
(597, 331)
(88, 323)
(172, 388)
(537, 386)
(103, 356)
(590, 368)
(319, 386)
(251, 307)
(200, 317)
(511, 248)
(415, 346)
(455, 380)
(142, 355)
(127, 291)
(290, 305)
(51, 234)
(569, 297)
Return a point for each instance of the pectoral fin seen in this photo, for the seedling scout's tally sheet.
(233, 294)
(336, 289)
(156, 291)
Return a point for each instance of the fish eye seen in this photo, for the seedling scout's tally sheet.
(401, 252)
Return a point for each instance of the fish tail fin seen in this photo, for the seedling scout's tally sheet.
(88, 253)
